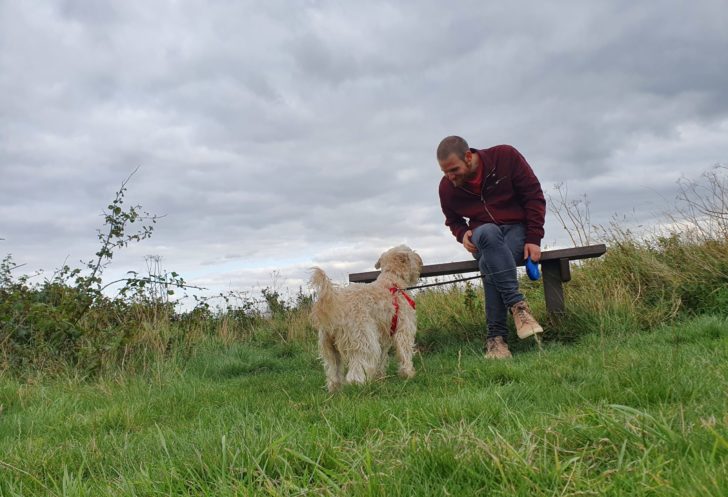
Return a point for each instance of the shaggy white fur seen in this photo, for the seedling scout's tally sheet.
(354, 322)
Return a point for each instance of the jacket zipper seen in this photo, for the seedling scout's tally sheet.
(482, 199)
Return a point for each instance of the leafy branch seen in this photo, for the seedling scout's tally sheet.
(117, 219)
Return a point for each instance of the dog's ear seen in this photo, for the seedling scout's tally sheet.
(378, 265)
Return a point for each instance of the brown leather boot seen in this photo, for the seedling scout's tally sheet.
(496, 348)
(526, 326)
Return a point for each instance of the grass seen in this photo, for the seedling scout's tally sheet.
(610, 414)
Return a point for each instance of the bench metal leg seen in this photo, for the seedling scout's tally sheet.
(552, 286)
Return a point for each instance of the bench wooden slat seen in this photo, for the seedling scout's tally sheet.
(565, 255)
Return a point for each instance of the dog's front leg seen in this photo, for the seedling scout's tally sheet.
(383, 362)
(356, 374)
(404, 346)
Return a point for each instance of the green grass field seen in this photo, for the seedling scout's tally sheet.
(618, 414)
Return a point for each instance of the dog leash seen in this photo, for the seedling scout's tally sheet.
(443, 282)
(531, 270)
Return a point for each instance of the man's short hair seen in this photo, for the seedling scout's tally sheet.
(452, 145)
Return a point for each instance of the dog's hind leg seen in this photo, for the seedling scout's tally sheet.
(333, 366)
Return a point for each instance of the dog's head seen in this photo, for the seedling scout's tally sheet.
(403, 262)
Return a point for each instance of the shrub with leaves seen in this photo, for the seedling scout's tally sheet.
(67, 318)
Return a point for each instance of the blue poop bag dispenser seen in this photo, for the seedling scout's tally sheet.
(532, 269)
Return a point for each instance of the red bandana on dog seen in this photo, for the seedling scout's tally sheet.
(395, 302)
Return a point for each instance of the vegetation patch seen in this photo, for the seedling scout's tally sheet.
(130, 396)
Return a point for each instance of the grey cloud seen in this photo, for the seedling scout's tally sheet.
(305, 134)
(87, 13)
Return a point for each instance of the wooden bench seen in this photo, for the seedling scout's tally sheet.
(554, 271)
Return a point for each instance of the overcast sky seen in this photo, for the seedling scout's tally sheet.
(277, 135)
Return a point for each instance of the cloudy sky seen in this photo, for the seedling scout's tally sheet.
(276, 135)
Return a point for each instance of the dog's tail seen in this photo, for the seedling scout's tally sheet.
(325, 291)
(323, 286)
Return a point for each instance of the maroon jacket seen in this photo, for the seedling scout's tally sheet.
(510, 194)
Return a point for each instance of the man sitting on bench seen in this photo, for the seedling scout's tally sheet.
(498, 193)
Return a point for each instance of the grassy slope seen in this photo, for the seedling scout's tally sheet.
(620, 415)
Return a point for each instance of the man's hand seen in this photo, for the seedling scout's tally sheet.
(468, 244)
(530, 249)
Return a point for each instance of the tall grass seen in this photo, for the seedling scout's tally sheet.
(638, 285)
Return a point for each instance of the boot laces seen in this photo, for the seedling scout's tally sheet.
(523, 314)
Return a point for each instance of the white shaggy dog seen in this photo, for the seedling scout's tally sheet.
(358, 324)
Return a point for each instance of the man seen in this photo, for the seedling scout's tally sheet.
(498, 193)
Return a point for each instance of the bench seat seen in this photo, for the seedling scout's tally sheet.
(554, 268)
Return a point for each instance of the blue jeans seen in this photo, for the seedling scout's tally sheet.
(500, 248)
